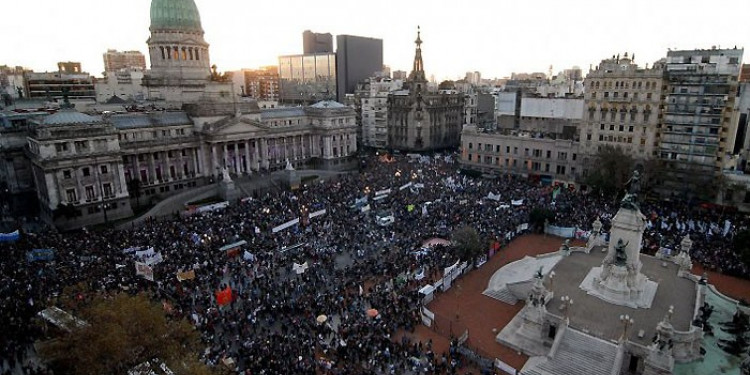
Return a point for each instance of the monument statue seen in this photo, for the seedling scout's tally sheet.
(629, 202)
(225, 175)
(621, 258)
(635, 183)
(289, 166)
(539, 274)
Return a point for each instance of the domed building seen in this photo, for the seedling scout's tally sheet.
(180, 60)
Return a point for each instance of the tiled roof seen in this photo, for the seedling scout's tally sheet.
(143, 120)
(69, 116)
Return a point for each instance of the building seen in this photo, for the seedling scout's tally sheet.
(400, 75)
(11, 84)
(622, 109)
(357, 58)
(262, 84)
(115, 60)
(420, 119)
(76, 162)
(56, 85)
(307, 78)
(554, 117)
(745, 73)
(698, 130)
(546, 159)
(180, 61)
(69, 67)
(314, 43)
(124, 85)
(372, 95)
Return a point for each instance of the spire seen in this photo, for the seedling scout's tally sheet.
(417, 73)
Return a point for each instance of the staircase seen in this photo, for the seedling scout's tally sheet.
(502, 295)
(578, 354)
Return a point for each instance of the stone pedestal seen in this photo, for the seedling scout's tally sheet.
(228, 191)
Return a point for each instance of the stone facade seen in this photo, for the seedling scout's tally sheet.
(622, 108)
(372, 97)
(421, 120)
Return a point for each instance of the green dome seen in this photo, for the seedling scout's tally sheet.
(179, 15)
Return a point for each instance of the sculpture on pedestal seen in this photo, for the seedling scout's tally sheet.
(225, 175)
(621, 258)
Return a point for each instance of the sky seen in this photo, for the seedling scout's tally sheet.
(494, 37)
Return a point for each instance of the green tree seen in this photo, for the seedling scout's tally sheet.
(742, 245)
(539, 216)
(123, 332)
(611, 171)
(469, 245)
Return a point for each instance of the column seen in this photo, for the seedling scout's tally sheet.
(151, 168)
(247, 158)
(214, 160)
(198, 167)
(294, 147)
(225, 156)
(236, 158)
(256, 157)
(263, 153)
(180, 169)
(167, 173)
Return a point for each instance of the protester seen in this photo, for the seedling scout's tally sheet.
(270, 324)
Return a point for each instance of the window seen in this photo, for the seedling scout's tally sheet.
(86, 172)
(611, 128)
(66, 174)
(648, 96)
(469, 157)
(497, 149)
(560, 169)
(630, 129)
(549, 154)
(606, 94)
(107, 190)
(90, 193)
(103, 169)
(588, 137)
(601, 137)
(71, 195)
(507, 149)
(471, 145)
(515, 150)
(621, 128)
(60, 147)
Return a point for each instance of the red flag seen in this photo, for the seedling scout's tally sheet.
(224, 297)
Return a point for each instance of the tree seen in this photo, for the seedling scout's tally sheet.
(123, 332)
(539, 216)
(468, 243)
(134, 188)
(742, 245)
(612, 170)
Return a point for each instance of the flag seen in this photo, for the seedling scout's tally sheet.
(299, 268)
(224, 297)
(410, 208)
(557, 190)
(143, 269)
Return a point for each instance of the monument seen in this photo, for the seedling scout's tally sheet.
(619, 279)
(290, 176)
(227, 190)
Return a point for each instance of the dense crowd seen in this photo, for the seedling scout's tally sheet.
(272, 324)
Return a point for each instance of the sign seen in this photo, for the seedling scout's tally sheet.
(493, 196)
(233, 246)
(383, 192)
(40, 255)
(144, 270)
(188, 275)
(517, 203)
(317, 213)
(366, 208)
(404, 187)
(380, 197)
(212, 207)
(10, 237)
(286, 225)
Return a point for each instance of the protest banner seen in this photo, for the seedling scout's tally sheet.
(40, 255)
(144, 270)
(317, 213)
(187, 275)
(286, 225)
(10, 237)
(224, 297)
(299, 268)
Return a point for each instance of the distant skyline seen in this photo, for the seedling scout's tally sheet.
(495, 38)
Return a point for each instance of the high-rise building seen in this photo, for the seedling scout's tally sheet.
(422, 120)
(115, 60)
(373, 110)
(622, 109)
(313, 43)
(698, 132)
(263, 83)
(357, 58)
(307, 78)
(58, 85)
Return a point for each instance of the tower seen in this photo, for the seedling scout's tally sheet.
(180, 63)
(417, 74)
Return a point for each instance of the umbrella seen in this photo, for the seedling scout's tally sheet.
(372, 313)
(321, 319)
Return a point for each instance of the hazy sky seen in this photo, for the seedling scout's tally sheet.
(495, 37)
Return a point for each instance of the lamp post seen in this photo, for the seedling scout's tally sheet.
(566, 303)
(626, 321)
(551, 279)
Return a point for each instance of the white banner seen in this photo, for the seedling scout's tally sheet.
(560, 231)
(517, 203)
(366, 208)
(299, 268)
(212, 207)
(493, 196)
(141, 254)
(317, 213)
(405, 186)
(419, 186)
(154, 259)
(381, 192)
(379, 197)
(448, 270)
(286, 225)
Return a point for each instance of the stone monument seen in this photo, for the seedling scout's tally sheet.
(659, 359)
(290, 176)
(619, 279)
(227, 190)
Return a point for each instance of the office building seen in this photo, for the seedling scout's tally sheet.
(56, 85)
(69, 67)
(262, 84)
(307, 78)
(357, 58)
(313, 43)
(372, 97)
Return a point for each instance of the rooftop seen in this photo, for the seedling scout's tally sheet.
(69, 116)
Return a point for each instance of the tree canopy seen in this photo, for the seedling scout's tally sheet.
(468, 243)
(125, 331)
(612, 170)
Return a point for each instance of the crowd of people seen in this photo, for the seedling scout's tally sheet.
(282, 321)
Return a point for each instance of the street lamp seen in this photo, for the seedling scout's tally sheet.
(627, 321)
(566, 303)
(551, 278)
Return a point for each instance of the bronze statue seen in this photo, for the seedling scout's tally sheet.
(621, 258)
